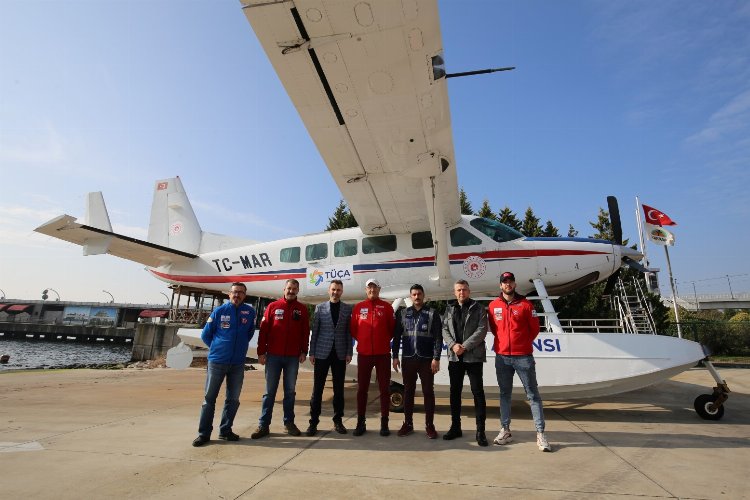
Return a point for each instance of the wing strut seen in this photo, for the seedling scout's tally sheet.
(439, 234)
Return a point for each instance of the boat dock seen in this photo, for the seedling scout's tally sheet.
(127, 434)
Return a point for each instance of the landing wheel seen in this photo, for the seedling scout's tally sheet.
(705, 408)
(397, 397)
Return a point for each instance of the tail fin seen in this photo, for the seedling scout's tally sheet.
(173, 223)
(97, 217)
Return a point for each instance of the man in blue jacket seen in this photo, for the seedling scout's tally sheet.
(227, 334)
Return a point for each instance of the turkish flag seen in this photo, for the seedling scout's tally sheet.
(657, 217)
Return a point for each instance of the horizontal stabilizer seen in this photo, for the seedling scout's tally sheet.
(67, 229)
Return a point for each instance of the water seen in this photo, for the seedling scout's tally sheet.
(26, 354)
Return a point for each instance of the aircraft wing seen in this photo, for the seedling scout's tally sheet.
(367, 79)
(95, 241)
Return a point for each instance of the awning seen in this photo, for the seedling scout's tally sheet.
(18, 308)
(153, 313)
(3, 306)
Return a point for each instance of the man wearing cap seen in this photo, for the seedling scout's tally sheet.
(464, 330)
(371, 326)
(515, 325)
(420, 328)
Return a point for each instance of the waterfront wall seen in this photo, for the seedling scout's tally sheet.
(52, 332)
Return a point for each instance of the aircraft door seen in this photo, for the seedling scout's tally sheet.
(317, 258)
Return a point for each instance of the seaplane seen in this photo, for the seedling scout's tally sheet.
(369, 81)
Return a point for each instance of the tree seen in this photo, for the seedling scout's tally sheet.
(485, 211)
(572, 233)
(465, 204)
(530, 225)
(342, 218)
(550, 231)
(508, 217)
(603, 226)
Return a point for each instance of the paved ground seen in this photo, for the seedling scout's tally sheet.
(127, 433)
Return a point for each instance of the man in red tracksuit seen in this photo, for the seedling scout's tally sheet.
(372, 327)
(282, 347)
(515, 325)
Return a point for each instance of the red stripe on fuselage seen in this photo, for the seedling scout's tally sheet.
(245, 278)
(509, 254)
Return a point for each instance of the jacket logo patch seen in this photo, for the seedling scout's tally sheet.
(243, 321)
(225, 325)
(279, 314)
(498, 311)
(363, 313)
(296, 314)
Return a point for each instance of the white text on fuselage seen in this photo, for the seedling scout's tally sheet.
(248, 262)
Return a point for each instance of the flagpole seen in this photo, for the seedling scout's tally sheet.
(674, 294)
(640, 229)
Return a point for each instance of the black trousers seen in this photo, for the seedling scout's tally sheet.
(456, 372)
(320, 373)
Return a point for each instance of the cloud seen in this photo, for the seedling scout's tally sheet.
(242, 217)
(732, 117)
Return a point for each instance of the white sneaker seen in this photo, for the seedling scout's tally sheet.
(504, 437)
(542, 443)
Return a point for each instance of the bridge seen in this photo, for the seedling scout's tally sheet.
(711, 301)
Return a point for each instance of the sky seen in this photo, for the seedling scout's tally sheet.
(626, 98)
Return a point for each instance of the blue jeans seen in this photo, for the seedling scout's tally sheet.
(274, 366)
(215, 375)
(525, 366)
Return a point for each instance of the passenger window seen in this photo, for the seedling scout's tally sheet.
(460, 237)
(379, 244)
(290, 254)
(421, 240)
(317, 251)
(345, 248)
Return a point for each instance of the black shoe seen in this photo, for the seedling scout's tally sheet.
(361, 427)
(261, 431)
(453, 433)
(312, 429)
(384, 430)
(339, 427)
(200, 441)
(230, 436)
(292, 429)
(482, 439)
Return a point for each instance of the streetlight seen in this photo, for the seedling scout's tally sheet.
(45, 295)
(166, 297)
(111, 296)
(3, 296)
(730, 287)
(695, 294)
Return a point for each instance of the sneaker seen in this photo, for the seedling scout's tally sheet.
(504, 437)
(542, 443)
(482, 439)
(311, 430)
(292, 429)
(230, 436)
(200, 441)
(406, 429)
(453, 433)
(338, 426)
(261, 431)
(384, 430)
(431, 432)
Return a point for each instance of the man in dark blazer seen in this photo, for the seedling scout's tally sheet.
(330, 347)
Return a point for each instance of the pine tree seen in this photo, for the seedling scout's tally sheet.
(508, 217)
(572, 233)
(465, 204)
(603, 226)
(486, 211)
(530, 225)
(342, 218)
(550, 231)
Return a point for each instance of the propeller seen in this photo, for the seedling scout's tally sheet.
(614, 218)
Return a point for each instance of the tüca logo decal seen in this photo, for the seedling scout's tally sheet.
(316, 277)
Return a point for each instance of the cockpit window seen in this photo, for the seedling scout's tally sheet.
(496, 230)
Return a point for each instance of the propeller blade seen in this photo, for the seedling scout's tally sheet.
(614, 219)
(634, 264)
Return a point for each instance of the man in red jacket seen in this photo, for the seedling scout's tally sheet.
(372, 326)
(282, 347)
(515, 325)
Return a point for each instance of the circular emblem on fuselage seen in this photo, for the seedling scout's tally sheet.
(175, 228)
(474, 267)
